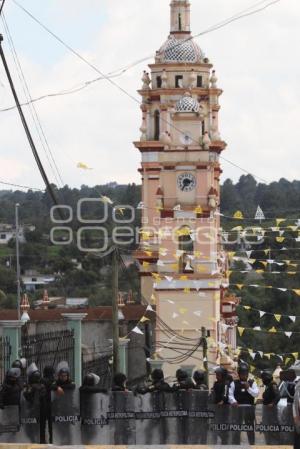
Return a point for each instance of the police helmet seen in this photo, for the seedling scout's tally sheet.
(157, 375)
(199, 376)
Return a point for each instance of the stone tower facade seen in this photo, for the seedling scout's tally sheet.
(182, 265)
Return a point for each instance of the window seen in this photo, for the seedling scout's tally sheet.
(158, 81)
(156, 125)
(33, 279)
(203, 128)
(199, 81)
(2, 236)
(179, 22)
(178, 81)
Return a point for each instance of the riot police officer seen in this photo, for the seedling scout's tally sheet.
(199, 380)
(36, 395)
(219, 397)
(242, 394)
(48, 381)
(270, 400)
(183, 381)
(10, 392)
(119, 382)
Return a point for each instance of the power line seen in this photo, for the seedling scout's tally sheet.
(33, 112)
(2, 6)
(91, 65)
(27, 131)
(119, 72)
(20, 186)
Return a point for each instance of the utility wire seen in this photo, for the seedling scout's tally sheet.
(119, 72)
(41, 134)
(20, 186)
(27, 131)
(91, 65)
(2, 6)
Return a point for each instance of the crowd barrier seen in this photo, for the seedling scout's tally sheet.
(117, 418)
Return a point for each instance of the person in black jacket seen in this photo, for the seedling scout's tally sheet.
(157, 383)
(219, 396)
(63, 381)
(35, 393)
(48, 381)
(10, 392)
(199, 379)
(184, 382)
(119, 382)
(271, 398)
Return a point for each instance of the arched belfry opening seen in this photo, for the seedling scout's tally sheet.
(156, 125)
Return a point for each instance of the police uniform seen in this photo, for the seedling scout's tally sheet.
(219, 397)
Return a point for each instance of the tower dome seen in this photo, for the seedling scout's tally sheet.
(180, 50)
(187, 104)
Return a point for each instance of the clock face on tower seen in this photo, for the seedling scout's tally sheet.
(186, 182)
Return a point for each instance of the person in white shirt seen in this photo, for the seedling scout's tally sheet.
(242, 394)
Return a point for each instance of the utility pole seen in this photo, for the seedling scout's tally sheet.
(115, 310)
(18, 262)
(204, 346)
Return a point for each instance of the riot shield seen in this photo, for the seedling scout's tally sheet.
(30, 420)
(94, 422)
(148, 418)
(121, 418)
(286, 422)
(219, 424)
(66, 418)
(9, 424)
(196, 403)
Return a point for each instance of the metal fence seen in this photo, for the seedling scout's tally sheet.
(100, 366)
(49, 349)
(5, 353)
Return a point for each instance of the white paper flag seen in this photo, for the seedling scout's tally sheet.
(261, 313)
(140, 205)
(169, 278)
(137, 330)
(292, 318)
(197, 313)
(259, 214)
(175, 315)
(288, 334)
(149, 309)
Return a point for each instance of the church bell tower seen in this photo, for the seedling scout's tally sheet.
(182, 265)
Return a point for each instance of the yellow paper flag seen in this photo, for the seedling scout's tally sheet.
(241, 330)
(183, 278)
(272, 330)
(297, 292)
(238, 215)
(277, 317)
(295, 355)
(198, 210)
(247, 307)
(182, 310)
(279, 220)
(146, 264)
(280, 239)
(143, 319)
(149, 253)
(186, 290)
(239, 286)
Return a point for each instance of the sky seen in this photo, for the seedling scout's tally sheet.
(257, 64)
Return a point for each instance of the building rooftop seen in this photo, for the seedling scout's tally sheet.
(130, 312)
